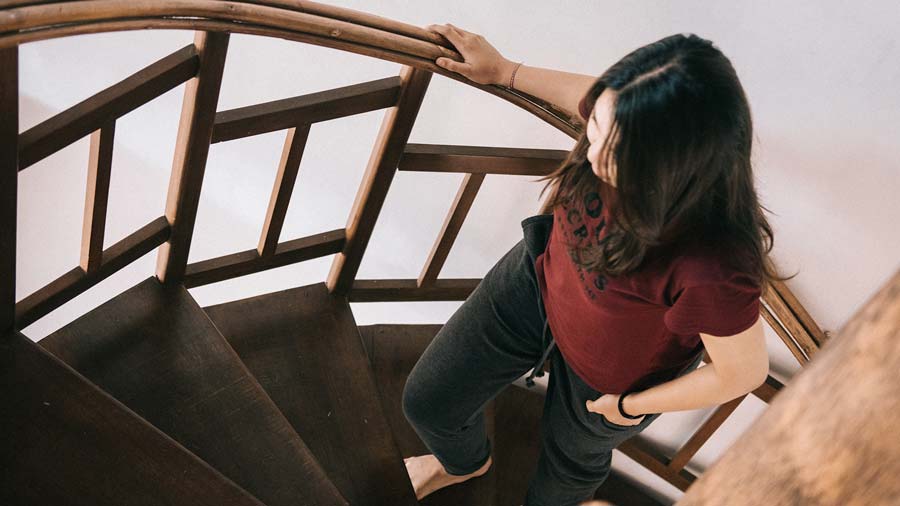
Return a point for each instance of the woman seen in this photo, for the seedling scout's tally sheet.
(655, 251)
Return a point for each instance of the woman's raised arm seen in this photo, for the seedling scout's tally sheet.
(485, 65)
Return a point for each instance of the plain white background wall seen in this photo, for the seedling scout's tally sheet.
(821, 76)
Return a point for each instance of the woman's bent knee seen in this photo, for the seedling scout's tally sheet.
(413, 402)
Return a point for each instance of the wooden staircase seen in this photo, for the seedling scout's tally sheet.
(271, 398)
(154, 349)
(68, 442)
(303, 346)
(276, 399)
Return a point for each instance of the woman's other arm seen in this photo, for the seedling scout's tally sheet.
(740, 364)
(485, 65)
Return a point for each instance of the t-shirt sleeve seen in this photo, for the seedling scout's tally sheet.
(720, 308)
(583, 108)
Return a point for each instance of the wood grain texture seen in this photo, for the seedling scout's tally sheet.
(154, 349)
(304, 347)
(65, 441)
(829, 437)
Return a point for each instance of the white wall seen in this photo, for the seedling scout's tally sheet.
(822, 79)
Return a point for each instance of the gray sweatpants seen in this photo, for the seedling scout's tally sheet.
(498, 334)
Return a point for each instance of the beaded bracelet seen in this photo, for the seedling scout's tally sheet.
(512, 77)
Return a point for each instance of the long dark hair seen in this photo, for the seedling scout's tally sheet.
(680, 140)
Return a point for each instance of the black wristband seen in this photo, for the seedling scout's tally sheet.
(622, 410)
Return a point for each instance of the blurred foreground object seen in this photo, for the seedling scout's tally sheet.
(831, 435)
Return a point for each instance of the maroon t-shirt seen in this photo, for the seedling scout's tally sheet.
(640, 329)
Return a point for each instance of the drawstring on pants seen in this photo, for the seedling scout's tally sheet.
(539, 367)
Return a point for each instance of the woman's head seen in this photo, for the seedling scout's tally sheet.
(597, 129)
(670, 131)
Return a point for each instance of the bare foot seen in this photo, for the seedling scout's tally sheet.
(427, 474)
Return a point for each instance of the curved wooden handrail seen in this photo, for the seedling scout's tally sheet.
(319, 9)
(23, 21)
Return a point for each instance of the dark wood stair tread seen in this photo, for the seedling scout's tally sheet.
(66, 441)
(304, 347)
(155, 350)
(513, 423)
(519, 412)
(393, 351)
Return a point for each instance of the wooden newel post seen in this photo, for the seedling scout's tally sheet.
(832, 436)
(198, 113)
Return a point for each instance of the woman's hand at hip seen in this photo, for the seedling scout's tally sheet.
(608, 406)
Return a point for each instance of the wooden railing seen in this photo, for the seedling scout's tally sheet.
(200, 65)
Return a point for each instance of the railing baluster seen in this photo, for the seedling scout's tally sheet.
(785, 335)
(288, 167)
(9, 175)
(97, 196)
(800, 314)
(395, 129)
(198, 112)
(452, 223)
(703, 433)
(801, 337)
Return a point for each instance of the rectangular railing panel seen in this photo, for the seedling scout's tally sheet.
(48, 137)
(76, 281)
